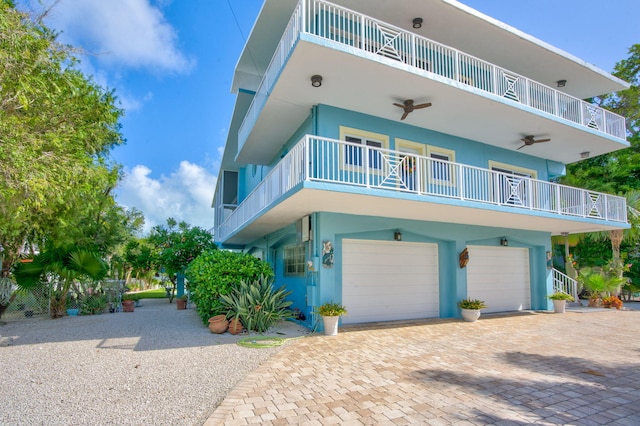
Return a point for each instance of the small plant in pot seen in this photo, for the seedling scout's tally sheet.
(128, 302)
(471, 308)
(331, 313)
(181, 302)
(560, 301)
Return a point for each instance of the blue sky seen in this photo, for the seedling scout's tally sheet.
(171, 63)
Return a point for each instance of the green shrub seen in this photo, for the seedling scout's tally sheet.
(257, 304)
(331, 309)
(469, 303)
(92, 305)
(217, 272)
(561, 296)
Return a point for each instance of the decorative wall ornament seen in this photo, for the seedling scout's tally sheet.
(464, 258)
(327, 254)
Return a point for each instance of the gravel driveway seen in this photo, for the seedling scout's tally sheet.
(156, 366)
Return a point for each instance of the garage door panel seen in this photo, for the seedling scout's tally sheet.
(500, 277)
(385, 280)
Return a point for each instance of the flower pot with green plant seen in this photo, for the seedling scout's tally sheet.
(331, 313)
(181, 302)
(470, 308)
(560, 300)
(128, 303)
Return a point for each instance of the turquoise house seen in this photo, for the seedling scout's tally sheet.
(399, 159)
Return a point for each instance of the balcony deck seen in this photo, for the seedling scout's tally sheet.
(321, 174)
(365, 36)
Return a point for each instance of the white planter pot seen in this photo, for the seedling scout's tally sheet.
(330, 325)
(559, 306)
(470, 315)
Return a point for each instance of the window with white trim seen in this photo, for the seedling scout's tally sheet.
(353, 156)
(294, 262)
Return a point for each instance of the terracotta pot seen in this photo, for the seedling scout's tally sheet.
(181, 303)
(218, 324)
(235, 326)
(128, 305)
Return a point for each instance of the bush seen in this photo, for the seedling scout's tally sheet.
(561, 296)
(257, 304)
(215, 273)
(331, 309)
(471, 304)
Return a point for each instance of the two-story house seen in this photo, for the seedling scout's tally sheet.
(397, 157)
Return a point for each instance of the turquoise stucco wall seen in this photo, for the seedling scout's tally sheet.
(325, 284)
(329, 120)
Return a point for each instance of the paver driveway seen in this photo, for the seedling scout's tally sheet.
(540, 368)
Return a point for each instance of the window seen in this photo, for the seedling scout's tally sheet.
(512, 185)
(441, 171)
(353, 155)
(294, 263)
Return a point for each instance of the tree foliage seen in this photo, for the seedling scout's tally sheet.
(56, 130)
(217, 272)
(178, 244)
(616, 172)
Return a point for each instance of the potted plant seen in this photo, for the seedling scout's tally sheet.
(471, 308)
(128, 303)
(331, 313)
(181, 302)
(560, 301)
(612, 302)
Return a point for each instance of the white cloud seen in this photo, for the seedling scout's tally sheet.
(185, 195)
(131, 33)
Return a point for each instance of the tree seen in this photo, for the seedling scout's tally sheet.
(56, 130)
(59, 267)
(178, 244)
(619, 171)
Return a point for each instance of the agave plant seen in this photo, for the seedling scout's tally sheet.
(60, 268)
(257, 304)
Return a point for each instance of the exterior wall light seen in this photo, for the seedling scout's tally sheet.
(504, 242)
(417, 23)
(397, 236)
(562, 83)
(316, 80)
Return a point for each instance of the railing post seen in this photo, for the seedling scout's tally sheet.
(306, 161)
(460, 182)
(456, 66)
(303, 16)
(530, 193)
(366, 165)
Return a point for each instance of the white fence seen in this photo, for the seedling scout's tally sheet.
(339, 162)
(370, 35)
(563, 283)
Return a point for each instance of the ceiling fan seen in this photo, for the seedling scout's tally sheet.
(408, 107)
(530, 140)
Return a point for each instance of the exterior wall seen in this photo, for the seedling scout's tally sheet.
(467, 151)
(325, 284)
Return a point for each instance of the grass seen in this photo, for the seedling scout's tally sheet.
(158, 293)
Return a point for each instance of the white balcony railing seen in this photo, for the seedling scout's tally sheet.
(563, 283)
(339, 162)
(370, 35)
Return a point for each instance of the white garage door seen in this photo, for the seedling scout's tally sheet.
(389, 280)
(500, 277)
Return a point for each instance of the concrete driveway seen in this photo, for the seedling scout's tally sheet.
(579, 368)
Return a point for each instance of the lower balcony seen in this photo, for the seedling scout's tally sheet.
(329, 175)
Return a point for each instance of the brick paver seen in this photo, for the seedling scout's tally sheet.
(532, 368)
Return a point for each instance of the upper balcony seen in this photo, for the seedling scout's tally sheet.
(321, 174)
(368, 65)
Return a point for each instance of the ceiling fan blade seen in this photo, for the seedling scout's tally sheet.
(420, 106)
(398, 105)
(542, 140)
(404, 115)
(521, 147)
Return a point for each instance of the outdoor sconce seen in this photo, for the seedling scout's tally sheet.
(417, 23)
(397, 236)
(562, 83)
(549, 260)
(316, 80)
(504, 242)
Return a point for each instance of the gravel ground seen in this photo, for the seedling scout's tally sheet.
(156, 366)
